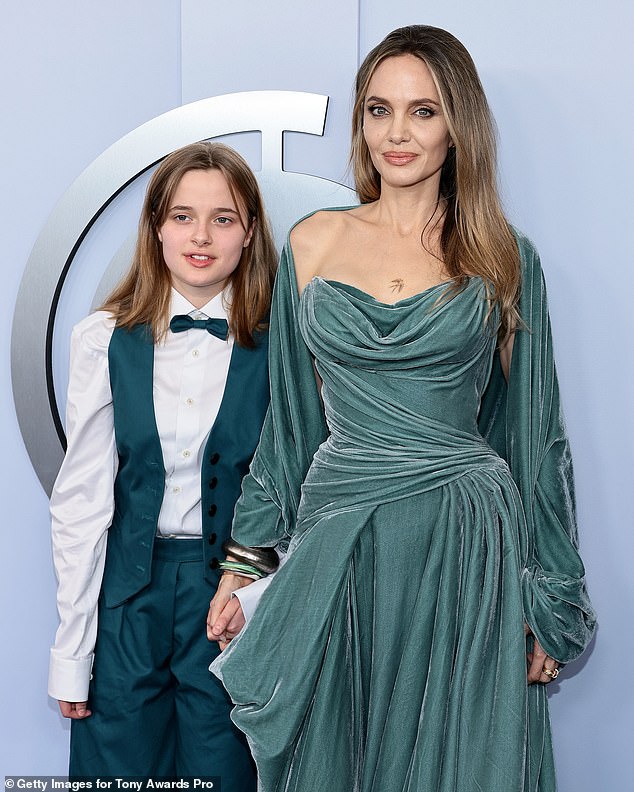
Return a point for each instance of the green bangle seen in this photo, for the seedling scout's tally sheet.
(238, 566)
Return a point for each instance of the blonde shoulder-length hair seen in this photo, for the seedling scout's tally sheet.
(476, 238)
(143, 295)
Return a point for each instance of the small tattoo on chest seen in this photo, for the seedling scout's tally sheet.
(397, 285)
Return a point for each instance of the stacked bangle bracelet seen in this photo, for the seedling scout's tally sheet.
(238, 568)
(262, 560)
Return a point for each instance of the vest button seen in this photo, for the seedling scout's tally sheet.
(213, 564)
(212, 510)
(212, 538)
(213, 483)
(215, 458)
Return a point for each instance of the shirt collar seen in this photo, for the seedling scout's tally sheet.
(216, 308)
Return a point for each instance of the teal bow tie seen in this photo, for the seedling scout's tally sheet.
(217, 327)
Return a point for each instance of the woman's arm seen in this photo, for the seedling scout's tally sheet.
(523, 422)
(82, 506)
(539, 661)
(293, 429)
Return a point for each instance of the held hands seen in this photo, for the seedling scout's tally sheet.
(541, 667)
(76, 710)
(225, 618)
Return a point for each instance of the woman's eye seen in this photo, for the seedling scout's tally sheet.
(377, 111)
(181, 218)
(223, 220)
(424, 112)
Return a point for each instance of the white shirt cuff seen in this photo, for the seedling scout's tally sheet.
(249, 596)
(68, 679)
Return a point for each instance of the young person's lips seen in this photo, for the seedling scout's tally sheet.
(199, 259)
(399, 157)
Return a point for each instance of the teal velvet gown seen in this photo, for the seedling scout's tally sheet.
(427, 518)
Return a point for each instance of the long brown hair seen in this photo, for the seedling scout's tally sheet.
(476, 238)
(143, 295)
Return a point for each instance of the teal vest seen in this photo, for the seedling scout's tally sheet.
(140, 480)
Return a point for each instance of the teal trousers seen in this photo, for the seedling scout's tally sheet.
(156, 709)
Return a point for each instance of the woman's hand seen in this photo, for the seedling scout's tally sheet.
(541, 667)
(76, 710)
(225, 618)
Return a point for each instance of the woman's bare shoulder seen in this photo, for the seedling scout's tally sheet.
(317, 227)
(314, 239)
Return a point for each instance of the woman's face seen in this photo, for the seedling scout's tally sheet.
(203, 235)
(403, 125)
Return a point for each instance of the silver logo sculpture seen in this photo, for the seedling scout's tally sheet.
(288, 196)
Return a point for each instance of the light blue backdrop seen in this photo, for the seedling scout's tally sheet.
(78, 76)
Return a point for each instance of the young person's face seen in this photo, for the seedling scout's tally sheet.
(403, 124)
(203, 235)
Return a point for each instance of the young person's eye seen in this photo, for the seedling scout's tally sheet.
(181, 218)
(424, 112)
(223, 220)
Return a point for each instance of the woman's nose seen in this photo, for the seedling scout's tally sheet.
(399, 129)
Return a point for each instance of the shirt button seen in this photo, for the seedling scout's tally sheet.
(176, 490)
(189, 402)
(195, 353)
(187, 453)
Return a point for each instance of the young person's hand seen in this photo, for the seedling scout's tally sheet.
(229, 623)
(225, 618)
(76, 710)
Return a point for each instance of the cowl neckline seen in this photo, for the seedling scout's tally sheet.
(356, 291)
(342, 322)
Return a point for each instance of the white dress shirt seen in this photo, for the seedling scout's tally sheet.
(190, 374)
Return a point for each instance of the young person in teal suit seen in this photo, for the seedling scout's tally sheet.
(167, 395)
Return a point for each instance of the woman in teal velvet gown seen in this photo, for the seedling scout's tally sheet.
(421, 482)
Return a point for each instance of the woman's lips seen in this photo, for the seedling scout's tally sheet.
(399, 157)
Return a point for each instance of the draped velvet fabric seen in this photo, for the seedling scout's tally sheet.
(428, 512)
